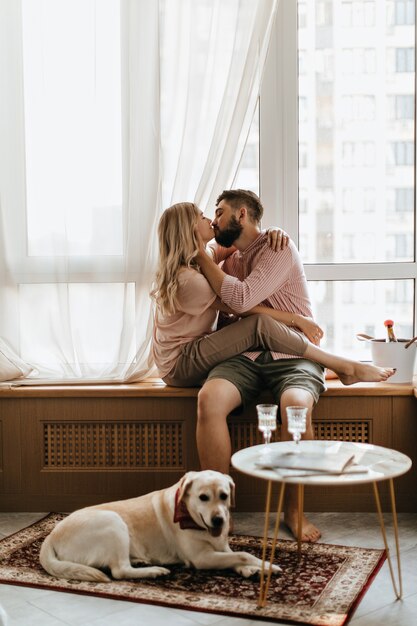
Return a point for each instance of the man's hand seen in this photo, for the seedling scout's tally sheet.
(310, 328)
(278, 239)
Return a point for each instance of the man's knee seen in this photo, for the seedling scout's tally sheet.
(296, 397)
(217, 397)
(204, 401)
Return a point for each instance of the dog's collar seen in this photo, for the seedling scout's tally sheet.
(182, 516)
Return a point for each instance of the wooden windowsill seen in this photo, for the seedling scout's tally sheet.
(154, 387)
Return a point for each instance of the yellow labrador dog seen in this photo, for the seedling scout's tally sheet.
(187, 523)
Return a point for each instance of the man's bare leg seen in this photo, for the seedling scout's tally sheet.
(297, 397)
(216, 399)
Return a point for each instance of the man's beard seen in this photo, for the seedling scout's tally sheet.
(228, 236)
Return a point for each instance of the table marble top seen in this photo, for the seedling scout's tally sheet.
(377, 463)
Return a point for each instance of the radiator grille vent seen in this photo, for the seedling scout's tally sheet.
(113, 445)
(132, 445)
(343, 431)
(245, 434)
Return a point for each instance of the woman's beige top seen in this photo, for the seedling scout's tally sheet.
(193, 319)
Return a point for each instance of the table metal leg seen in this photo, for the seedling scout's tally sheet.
(265, 541)
(384, 535)
(264, 584)
(300, 517)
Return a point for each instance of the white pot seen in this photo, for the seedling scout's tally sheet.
(394, 354)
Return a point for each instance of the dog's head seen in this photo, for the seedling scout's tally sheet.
(208, 496)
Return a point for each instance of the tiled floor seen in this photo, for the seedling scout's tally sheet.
(27, 607)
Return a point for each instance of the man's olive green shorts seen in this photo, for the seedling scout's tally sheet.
(251, 377)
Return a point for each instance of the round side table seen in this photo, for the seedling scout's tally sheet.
(377, 463)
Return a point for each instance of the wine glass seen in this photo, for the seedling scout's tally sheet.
(267, 422)
(297, 421)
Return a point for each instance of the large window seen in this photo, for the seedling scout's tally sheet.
(247, 176)
(343, 86)
(71, 81)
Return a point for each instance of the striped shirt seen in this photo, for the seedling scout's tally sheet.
(259, 275)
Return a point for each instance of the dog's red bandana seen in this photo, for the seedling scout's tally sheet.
(182, 515)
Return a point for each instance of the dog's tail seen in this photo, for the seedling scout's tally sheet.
(67, 569)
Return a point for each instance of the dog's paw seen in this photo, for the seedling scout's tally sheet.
(251, 570)
(247, 570)
(275, 568)
(154, 572)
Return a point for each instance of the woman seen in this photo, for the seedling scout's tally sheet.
(186, 345)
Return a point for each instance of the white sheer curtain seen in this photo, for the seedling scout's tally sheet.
(110, 110)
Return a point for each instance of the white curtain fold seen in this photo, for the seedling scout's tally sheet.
(74, 294)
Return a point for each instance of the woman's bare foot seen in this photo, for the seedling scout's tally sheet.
(349, 371)
(356, 372)
(309, 532)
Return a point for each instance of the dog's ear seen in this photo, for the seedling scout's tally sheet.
(185, 484)
(232, 490)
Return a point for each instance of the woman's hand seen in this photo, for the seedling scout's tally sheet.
(228, 251)
(201, 246)
(278, 239)
(309, 327)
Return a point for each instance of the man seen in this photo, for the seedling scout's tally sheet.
(253, 275)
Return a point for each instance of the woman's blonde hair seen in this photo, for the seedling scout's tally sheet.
(177, 249)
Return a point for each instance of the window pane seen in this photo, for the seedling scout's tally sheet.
(344, 308)
(247, 176)
(71, 59)
(356, 131)
(91, 331)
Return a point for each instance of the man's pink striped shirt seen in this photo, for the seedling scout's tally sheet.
(259, 275)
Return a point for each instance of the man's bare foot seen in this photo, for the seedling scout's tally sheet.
(309, 532)
(355, 372)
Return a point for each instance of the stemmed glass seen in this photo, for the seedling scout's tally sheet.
(267, 422)
(297, 421)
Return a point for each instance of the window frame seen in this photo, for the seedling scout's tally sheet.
(279, 157)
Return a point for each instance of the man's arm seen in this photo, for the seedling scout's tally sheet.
(307, 325)
(269, 275)
(277, 240)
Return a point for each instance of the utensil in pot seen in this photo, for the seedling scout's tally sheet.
(364, 337)
(408, 344)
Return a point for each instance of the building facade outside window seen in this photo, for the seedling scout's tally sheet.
(338, 170)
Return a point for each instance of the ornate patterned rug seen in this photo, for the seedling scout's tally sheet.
(322, 589)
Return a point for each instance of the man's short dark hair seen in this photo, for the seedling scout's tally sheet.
(237, 197)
